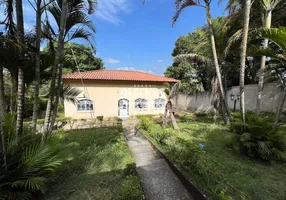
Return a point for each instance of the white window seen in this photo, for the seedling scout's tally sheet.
(85, 105)
(159, 103)
(140, 103)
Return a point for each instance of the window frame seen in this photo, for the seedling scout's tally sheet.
(138, 108)
(163, 104)
(86, 100)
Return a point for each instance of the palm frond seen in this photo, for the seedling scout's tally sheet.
(259, 51)
(193, 58)
(180, 5)
(276, 35)
(70, 93)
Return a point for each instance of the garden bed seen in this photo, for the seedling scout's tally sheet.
(207, 155)
(101, 168)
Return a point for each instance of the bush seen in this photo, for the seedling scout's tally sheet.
(201, 114)
(145, 124)
(31, 161)
(187, 117)
(259, 139)
(157, 119)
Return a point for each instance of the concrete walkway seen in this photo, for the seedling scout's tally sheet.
(159, 181)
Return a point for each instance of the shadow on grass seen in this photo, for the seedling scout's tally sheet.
(101, 168)
(219, 167)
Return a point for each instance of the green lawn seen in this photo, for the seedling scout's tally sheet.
(219, 168)
(101, 167)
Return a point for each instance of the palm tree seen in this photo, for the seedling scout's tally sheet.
(37, 64)
(21, 83)
(200, 45)
(59, 54)
(180, 6)
(269, 6)
(76, 15)
(243, 57)
(278, 54)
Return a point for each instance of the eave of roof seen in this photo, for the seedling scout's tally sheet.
(118, 75)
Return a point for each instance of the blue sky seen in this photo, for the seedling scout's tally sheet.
(134, 36)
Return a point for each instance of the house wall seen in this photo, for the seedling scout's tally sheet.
(271, 99)
(105, 96)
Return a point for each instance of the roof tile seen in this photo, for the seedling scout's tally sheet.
(118, 75)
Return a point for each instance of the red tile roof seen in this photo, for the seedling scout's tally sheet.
(118, 75)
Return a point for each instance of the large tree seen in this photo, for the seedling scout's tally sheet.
(268, 7)
(180, 6)
(243, 57)
(77, 25)
(83, 56)
(21, 83)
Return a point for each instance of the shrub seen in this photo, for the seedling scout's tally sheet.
(160, 135)
(259, 139)
(187, 117)
(201, 114)
(31, 161)
(158, 119)
(145, 124)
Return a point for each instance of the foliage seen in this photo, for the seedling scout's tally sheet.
(83, 55)
(259, 139)
(32, 160)
(219, 168)
(28, 108)
(102, 167)
(145, 124)
(187, 74)
(187, 117)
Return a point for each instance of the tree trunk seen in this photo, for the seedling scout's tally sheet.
(280, 109)
(243, 58)
(37, 66)
(21, 84)
(218, 73)
(56, 65)
(268, 17)
(59, 88)
(173, 119)
(2, 94)
(165, 116)
(13, 92)
(3, 164)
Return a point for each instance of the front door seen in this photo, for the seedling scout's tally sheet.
(123, 108)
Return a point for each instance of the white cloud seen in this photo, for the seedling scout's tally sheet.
(109, 10)
(160, 60)
(133, 69)
(112, 61)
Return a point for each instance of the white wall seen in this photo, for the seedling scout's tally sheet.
(271, 98)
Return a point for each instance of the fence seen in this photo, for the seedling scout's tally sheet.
(271, 99)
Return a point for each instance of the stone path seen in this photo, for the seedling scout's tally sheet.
(159, 181)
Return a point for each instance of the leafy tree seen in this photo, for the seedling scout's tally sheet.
(180, 6)
(84, 57)
(190, 82)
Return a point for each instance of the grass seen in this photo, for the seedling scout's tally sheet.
(101, 168)
(219, 167)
